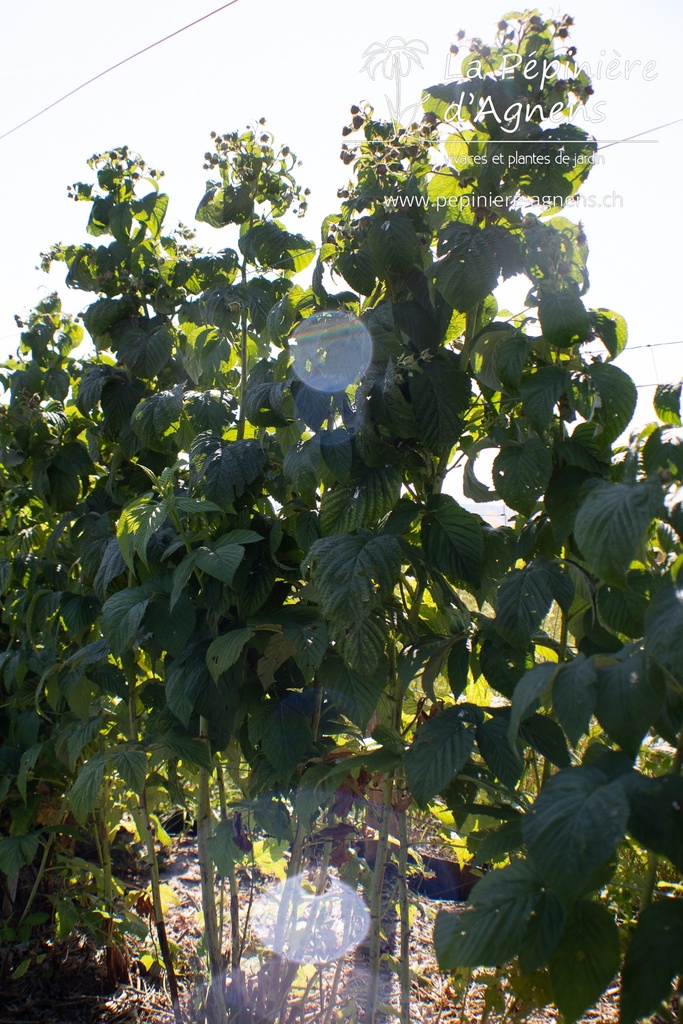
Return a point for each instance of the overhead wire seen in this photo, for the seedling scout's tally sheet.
(113, 67)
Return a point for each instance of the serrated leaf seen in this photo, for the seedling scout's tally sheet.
(112, 564)
(84, 792)
(171, 625)
(618, 398)
(355, 695)
(440, 393)
(667, 403)
(122, 617)
(611, 522)
(629, 697)
(528, 691)
(521, 473)
(15, 852)
(156, 419)
(664, 627)
(136, 526)
(394, 245)
(358, 270)
(145, 346)
(220, 559)
(223, 470)
(353, 573)
(453, 539)
(586, 959)
(525, 597)
(541, 391)
(226, 650)
(653, 959)
(363, 501)
(439, 750)
(492, 931)
(656, 819)
(289, 738)
(563, 316)
(574, 693)
(574, 826)
(494, 746)
(131, 764)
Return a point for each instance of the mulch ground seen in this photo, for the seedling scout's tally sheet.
(69, 984)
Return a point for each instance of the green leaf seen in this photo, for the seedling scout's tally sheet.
(574, 826)
(586, 959)
(156, 419)
(563, 316)
(498, 355)
(629, 697)
(355, 695)
(131, 764)
(664, 627)
(543, 933)
(530, 688)
(618, 398)
(189, 749)
(229, 205)
(611, 523)
(223, 470)
(470, 270)
(492, 931)
(363, 501)
(17, 851)
(439, 750)
(358, 270)
(150, 211)
(540, 394)
(85, 789)
(653, 959)
(188, 683)
(440, 393)
(574, 693)
(226, 650)
(352, 574)
(525, 597)
(453, 539)
(362, 643)
(611, 328)
(521, 473)
(494, 746)
(145, 346)
(656, 820)
(289, 739)
(394, 245)
(667, 403)
(222, 849)
(122, 617)
(220, 559)
(137, 525)
(112, 564)
(624, 610)
(171, 625)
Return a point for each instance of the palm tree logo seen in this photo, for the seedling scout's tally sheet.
(395, 58)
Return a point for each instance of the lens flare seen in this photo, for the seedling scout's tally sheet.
(305, 927)
(331, 351)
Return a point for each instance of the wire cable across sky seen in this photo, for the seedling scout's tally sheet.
(113, 67)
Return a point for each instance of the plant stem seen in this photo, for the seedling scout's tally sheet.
(216, 998)
(650, 880)
(155, 881)
(376, 903)
(382, 851)
(404, 914)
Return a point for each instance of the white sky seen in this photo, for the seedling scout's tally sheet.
(298, 64)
